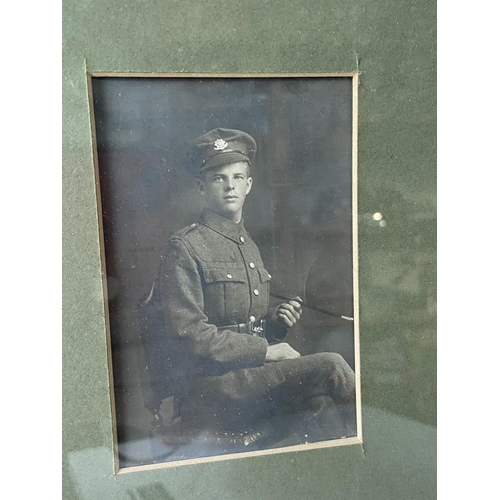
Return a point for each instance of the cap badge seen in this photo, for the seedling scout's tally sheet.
(220, 145)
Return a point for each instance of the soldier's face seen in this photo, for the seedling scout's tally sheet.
(225, 189)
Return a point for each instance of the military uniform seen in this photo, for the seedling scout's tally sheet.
(215, 299)
(213, 281)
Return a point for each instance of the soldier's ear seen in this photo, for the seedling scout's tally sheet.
(201, 186)
(249, 184)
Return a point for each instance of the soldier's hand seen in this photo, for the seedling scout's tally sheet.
(289, 312)
(281, 351)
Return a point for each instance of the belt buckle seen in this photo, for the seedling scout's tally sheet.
(256, 330)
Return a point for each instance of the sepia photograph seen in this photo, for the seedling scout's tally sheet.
(227, 212)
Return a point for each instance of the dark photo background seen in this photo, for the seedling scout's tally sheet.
(299, 211)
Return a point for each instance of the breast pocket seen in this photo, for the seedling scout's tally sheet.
(264, 288)
(226, 294)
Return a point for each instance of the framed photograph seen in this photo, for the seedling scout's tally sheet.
(328, 112)
(228, 226)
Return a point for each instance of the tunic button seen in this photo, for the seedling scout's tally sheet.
(256, 292)
(229, 276)
(252, 265)
(242, 239)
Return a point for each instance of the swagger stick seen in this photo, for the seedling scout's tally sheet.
(314, 308)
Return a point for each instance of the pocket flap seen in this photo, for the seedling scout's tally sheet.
(264, 275)
(212, 275)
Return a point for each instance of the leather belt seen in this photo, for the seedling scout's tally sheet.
(256, 328)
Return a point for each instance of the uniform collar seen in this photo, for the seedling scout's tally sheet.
(232, 230)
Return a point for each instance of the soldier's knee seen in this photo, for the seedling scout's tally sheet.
(333, 361)
(340, 376)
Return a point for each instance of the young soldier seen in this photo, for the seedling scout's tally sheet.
(225, 342)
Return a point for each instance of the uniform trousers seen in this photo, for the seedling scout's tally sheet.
(317, 389)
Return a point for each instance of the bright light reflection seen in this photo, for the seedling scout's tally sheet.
(377, 216)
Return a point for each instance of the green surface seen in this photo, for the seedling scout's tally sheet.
(392, 45)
